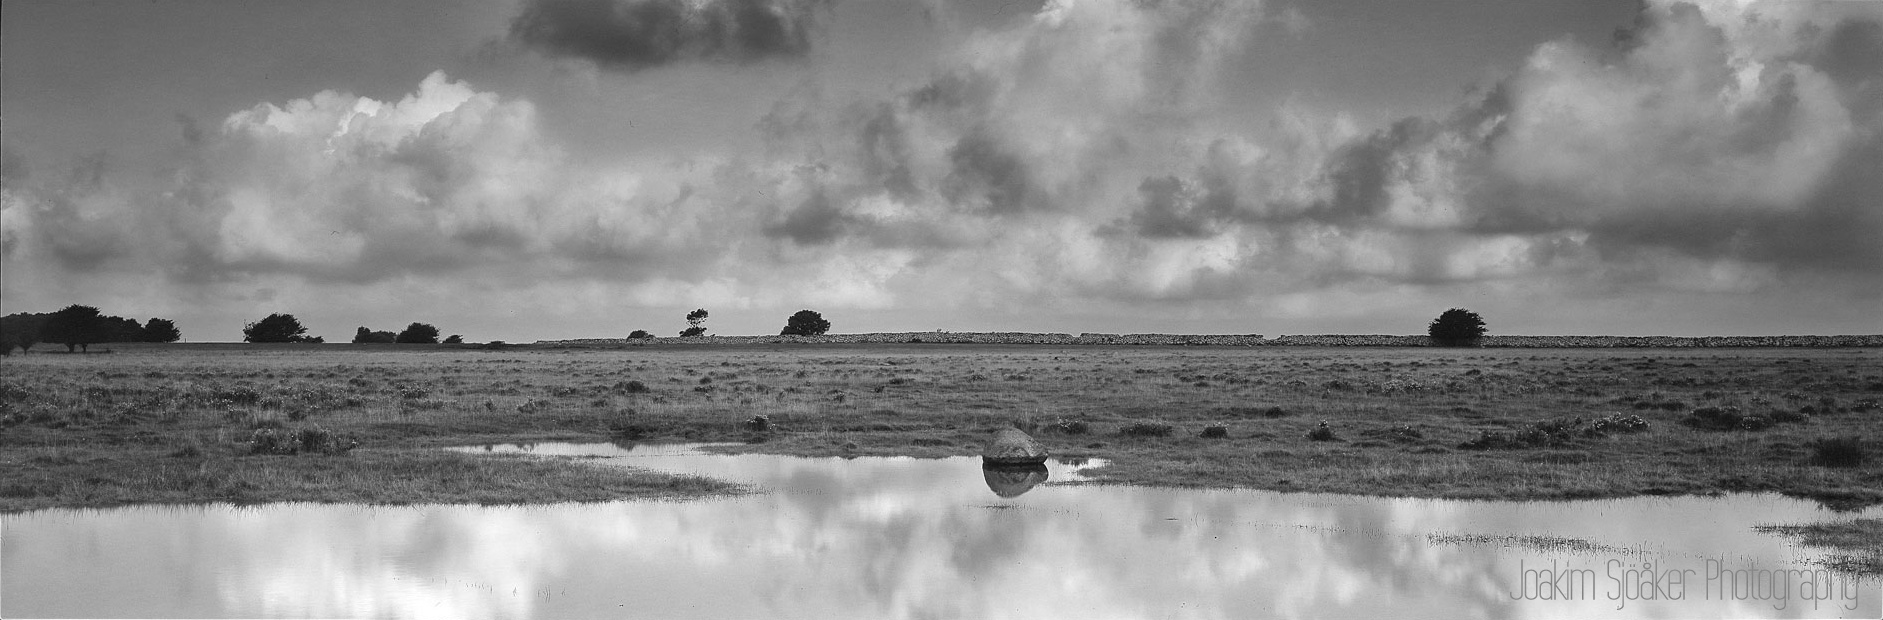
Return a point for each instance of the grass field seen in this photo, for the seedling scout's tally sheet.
(180, 423)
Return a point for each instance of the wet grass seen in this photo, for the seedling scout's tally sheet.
(179, 423)
(1857, 544)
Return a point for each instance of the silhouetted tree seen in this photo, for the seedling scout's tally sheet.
(805, 323)
(367, 336)
(1456, 327)
(276, 328)
(639, 334)
(161, 330)
(455, 339)
(418, 333)
(119, 329)
(22, 329)
(74, 326)
(695, 324)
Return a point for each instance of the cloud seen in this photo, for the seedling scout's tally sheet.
(1075, 161)
(631, 35)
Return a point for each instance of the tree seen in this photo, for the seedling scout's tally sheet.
(22, 329)
(418, 333)
(455, 339)
(276, 327)
(805, 323)
(74, 326)
(695, 321)
(161, 330)
(639, 334)
(367, 336)
(1457, 327)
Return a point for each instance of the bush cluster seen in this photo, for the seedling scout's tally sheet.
(1146, 429)
(1729, 418)
(310, 440)
(1071, 427)
(1558, 432)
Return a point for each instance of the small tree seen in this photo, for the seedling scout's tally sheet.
(805, 323)
(74, 326)
(418, 333)
(695, 324)
(161, 330)
(455, 339)
(639, 334)
(275, 328)
(1456, 327)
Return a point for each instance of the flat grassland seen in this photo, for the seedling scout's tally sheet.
(258, 423)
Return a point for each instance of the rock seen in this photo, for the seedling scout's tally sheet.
(1013, 447)
(1012, 480)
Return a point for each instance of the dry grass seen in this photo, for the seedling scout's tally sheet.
(1399, 416)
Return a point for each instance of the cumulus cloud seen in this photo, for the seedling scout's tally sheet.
(1077, 155)
(631, 35)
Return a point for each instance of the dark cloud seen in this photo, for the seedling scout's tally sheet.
(630, 35)
(816, 221)
(986, 177)
(1173, 209)
(885, 151)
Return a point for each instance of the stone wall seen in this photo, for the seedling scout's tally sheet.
(1247, 340)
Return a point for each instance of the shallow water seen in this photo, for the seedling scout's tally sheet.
(911, 538)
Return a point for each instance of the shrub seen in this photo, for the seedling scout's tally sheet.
(1837, 452)
(1730, 419)
(1216, 431)
(1618, 423)
(759, 424)
(1322, 432)
(631, 387)
(1071, 427)
(310, 440)
(1146, 429)
(1556, 433)
(639, 334)
(1399, 434)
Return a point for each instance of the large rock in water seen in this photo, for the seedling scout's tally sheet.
(1013, 447)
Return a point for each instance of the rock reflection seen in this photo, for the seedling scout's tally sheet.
(1013, 480)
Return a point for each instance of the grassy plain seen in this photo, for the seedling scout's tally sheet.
(175, 423)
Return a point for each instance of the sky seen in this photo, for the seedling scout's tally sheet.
(546, 169)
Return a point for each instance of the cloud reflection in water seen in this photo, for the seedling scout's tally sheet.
(879, 538)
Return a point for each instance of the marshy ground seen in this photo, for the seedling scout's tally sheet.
(180, 423)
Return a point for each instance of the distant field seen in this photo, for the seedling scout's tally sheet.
(170, 423)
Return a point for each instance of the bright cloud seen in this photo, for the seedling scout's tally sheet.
(1080, 156)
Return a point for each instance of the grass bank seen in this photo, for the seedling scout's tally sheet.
(178, 424)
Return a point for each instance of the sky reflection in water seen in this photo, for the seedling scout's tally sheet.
(898, 538)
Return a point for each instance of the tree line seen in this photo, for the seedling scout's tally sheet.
(283, 328)
(78, 327)
(803, 323)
